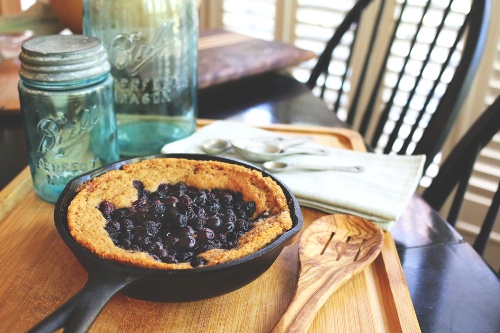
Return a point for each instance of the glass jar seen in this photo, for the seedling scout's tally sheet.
(66, 97)
(153, 52)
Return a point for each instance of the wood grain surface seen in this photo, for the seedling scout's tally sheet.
(226, 56)
(332, 249)
(223, 57)
(39, 273)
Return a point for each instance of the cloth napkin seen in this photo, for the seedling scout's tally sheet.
(379, 193)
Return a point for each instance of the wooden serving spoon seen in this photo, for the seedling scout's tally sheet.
(332, 249)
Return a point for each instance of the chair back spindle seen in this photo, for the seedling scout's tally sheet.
(455, 173)
(408, 118)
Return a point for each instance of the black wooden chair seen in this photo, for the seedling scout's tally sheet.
(456, 170)
(419, 124)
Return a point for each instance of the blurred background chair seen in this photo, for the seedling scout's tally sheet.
(422, 80)
(455, 172)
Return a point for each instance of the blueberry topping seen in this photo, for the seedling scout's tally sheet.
(176, 223)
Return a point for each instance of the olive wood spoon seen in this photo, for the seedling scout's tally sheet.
(332, 250)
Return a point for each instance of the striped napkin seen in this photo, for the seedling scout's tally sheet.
(380, 193)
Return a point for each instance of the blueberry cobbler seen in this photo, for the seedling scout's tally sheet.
(169, 213)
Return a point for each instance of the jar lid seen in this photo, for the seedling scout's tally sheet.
(63, 58)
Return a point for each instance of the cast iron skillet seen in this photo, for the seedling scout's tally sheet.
(106, 277)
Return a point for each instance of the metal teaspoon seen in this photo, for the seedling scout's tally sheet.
(274, 166)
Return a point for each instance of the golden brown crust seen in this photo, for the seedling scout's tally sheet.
(86, 222)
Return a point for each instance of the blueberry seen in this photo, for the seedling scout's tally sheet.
(181, 221)
(213, 222)
(151, 228)
(162, 254)
(157, 246)
(185, 256)
(250, 208)
(143, 241)
(157, 239)
(170, 201)
(170, 241)
(237, 197)
(127, 224)
(227, 227)
(191, 215)
(200, 212)
(170, 259)
(171, 214)
(138, 231)
(113, 233)
(162, 190)
(226, 199)
(199, 223)
(138, 184)
(216, 243)
(203, 247)
(114, 224)
(181, 187)
(186, 242)
(140, 203)
(185, 231)
(200, 199)
(157, 209)
(205, 235)
(136, 248)
(186, 200)
(144, 195)
(125, 244)
(126, 235)
(213, 208)
(198, 261)
(242, 225)
(120, 214)
(228, 216)
(106, 207)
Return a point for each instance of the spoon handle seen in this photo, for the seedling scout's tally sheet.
(292, 142)
(355, 168)
(311, 294)
(303, 150)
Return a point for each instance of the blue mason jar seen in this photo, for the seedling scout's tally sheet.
(153, 52)
(66, 97)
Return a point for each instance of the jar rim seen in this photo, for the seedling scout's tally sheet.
(63, 58)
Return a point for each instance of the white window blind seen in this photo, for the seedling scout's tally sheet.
(250, 17)
(313, 22)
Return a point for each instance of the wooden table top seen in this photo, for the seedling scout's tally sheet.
(223, 57)
(375, 300)
(451, 287)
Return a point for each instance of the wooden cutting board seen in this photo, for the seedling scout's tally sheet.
(38, 273)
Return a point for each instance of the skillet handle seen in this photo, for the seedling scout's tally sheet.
(79, 313)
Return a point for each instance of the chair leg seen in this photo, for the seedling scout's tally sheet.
(463, 182)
